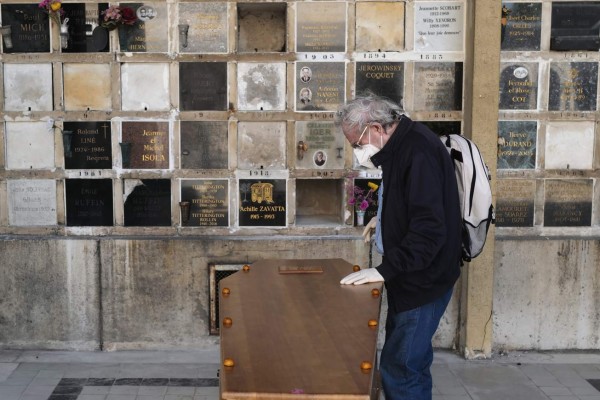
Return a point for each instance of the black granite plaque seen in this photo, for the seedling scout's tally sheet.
(382, 78)
(325, 90)
(371, 211)
(204, 145)
(29, 30)
(517, 144)
(568, 202)
(521, 26)
(89, 202)
(209, 202)
(575, 26)
(443, 127)
(515, 203)
(203, 86)
(438, 86)
(518, 86)
(148, 203)
(147, 145)
(87, 145)
(573, 86)
(262, 202)
(83, 19)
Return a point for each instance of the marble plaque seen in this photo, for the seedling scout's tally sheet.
(83, 19)
(87, 87)
(28, 87)
(87, 145)
(515, 202)
(371, 211)
(203, 86)
(379, 26)
(517, 144)
(31, 202)
(147, 202)
(568, 202)
(261, 27)
(29, 29)
(149, 34)
(573, 86)
(324, 144)
(382, 78)
(320, 27)
(262, 202)
(261, 86)
(203, 27)
(145, 87)
(29, 145)
(325, 90)
(569, 145)
(518, 86)
(209, 202)
(443, 127)
(204, 145)
(439, 26)
(521, 26)
(147, 144)
(574, 26)
(261, 145)
(438, 86)
(89, 202)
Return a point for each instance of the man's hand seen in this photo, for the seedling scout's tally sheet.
(369, 229)
(368, 275)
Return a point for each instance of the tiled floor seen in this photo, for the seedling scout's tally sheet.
(156, 375)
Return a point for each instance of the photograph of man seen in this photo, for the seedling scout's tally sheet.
(417, 231)
(305, 74)
(305, 95)
(320, 158)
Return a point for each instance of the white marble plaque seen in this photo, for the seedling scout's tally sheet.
(145, 86)
(202, 27)
(261, 86)
(439, 26)
(28, 87)
(31, 202)
(320, 145)
(87, 87)
(261, 145)
(570, 145)
(379, 26)
(29, 145)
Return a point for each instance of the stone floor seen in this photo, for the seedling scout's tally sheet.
(172, 375)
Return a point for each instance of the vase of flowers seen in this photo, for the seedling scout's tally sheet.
(115, 16)
(53, 8)
(361, 199)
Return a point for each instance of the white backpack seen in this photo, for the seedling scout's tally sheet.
(474, 192)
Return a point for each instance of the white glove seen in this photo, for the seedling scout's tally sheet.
(368, 275)
(370, 229)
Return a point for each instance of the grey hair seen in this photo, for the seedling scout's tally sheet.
(367, 108)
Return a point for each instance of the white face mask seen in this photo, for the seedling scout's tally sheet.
(364, 154)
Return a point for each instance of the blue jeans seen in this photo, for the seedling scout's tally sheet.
(407, 353)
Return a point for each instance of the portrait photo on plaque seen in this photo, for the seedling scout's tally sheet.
(84, 31)
(205, 202)
(521, 26)
(518, 86)
(147, 202)
(324, 90)
(573, 86)
(517, 146)
(149, 32)
(145, 144)
(318, 145)
(262, 202)
(438, 86)
(203, 86)
(320, 27)
(574, 26)
(87, 145)
(382, 78)
(89, 202)
(204, 144)
(25, 29)
(203, 27)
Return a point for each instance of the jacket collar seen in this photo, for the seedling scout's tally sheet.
(382, 156)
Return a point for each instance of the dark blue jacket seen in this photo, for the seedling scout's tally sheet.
(420, 217)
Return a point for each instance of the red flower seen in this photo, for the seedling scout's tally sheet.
(128, 16)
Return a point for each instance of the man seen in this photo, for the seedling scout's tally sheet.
(418, 234)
